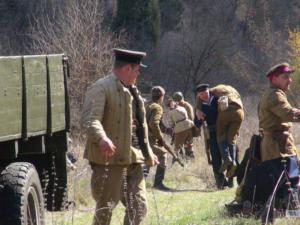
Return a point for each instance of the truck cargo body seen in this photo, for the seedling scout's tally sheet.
(35, 120)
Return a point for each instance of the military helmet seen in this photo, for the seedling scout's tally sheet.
(157, 91)
(178, 96)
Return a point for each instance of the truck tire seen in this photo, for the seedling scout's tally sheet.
(21, 197)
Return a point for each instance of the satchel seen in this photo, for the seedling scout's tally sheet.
(196, 131)
(223, 103)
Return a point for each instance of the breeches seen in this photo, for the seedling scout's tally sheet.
(184, 138)
(229, 123)
(110, 184)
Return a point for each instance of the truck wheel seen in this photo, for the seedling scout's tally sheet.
(21, 195)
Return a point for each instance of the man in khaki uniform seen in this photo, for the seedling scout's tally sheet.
(117, 140)
(182, 127)
(278, 151)
(275, 113)
(178, 97)
(229, 120)
(154, 112)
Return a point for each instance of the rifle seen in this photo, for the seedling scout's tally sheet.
(175, 157)
(206, 141)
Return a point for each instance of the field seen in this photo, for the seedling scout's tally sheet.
(194, 201)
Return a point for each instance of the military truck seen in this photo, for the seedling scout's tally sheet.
(34, 125)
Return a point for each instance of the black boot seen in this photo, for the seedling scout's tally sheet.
(146, 170)
(159, 177)
(230, 182)
(227, 161)
(220, 180)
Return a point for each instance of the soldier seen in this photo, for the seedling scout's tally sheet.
(274, 114)
(178, 98)
(117, 140)
(182, 127)
(229, 120)
(154, 113)
(208, 103)
(278, 151)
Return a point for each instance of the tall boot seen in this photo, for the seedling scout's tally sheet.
(146, 170)
(232, 168)
(225, 153)
(220, 180)
(159, 177)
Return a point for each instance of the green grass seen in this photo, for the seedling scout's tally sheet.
(196, 202)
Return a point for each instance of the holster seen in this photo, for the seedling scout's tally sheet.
(281, 137)
(255, 144)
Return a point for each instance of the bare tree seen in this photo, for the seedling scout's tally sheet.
(202, 42)
(77, 29)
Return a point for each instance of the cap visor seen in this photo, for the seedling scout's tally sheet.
(143, 65)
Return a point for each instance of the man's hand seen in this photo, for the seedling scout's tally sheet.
(200, 115)
(107, 147)
(161, 142)
(152, 161)
(296, 112)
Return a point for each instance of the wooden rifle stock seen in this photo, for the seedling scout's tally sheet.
(176, 159)
(206, 141)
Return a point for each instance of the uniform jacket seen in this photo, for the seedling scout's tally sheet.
(275, 114)
(154, 113)
(189, 109)
(179, 119)
(107, 112)
(230, 92)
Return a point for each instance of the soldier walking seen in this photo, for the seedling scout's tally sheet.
(154, 112)
(229, 120)
(117, 141)
(208, 103)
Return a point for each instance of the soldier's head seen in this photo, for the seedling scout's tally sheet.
(202, 92)
(280, 76)
(158, 93)
(127, 65)
(178, 96)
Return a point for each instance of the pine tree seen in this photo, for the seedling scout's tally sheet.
(140, 19)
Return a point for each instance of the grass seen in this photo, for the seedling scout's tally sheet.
(196, 202)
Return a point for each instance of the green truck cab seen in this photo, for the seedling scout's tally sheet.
(34, 126)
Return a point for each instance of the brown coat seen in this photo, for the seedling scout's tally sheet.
(275, 114)
(154, 113)
(107, 112)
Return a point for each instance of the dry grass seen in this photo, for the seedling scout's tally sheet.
(196, 202)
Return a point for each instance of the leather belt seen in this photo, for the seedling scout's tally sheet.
(270, 133)
(178, 121)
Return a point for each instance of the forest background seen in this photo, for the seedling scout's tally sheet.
(209, 41)
(232, 42)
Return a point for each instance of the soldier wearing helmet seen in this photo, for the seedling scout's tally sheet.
(179, 99)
